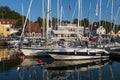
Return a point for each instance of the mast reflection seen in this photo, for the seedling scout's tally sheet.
(49, 69)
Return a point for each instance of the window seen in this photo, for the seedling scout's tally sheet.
(8, 29)
(8, 22)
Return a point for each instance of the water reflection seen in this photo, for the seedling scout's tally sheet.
(48, 69)
(6, 54)
(3, 52)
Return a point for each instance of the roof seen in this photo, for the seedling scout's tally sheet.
(8, 21)
(118, 33)
(33, 27)
(112, 33)
(94, 26)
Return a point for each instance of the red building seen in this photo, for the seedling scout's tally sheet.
(8, 21)
(33, 29)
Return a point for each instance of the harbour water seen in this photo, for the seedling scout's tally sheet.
(16, 68)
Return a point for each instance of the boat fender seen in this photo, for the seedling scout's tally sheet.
(88, 52)
(39, 60)
(75, 52)
(21, 57)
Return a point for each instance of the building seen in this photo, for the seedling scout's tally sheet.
(96, 29)
(101, 30)
(33, 29)
(118, 33)
(6, 27)
(68, 32)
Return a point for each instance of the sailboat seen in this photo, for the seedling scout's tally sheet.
(75, 53)
(34, 50)
(112, 45)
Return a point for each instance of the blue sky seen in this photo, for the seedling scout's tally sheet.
(36, 9)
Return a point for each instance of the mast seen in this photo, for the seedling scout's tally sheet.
(111, 20)
(26, 19)
(22, 14)
(78, 11)
(47, 26)
(58, 12)
(50, 15)
(43, 23)
(112, 13)
(100, 22)
(100, 13)
(61, 15)
(115, 20)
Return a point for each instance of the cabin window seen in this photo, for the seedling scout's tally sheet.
(8, 22)
(8, 29)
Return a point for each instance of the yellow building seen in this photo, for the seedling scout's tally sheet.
(3, 53)
(4, 30)
(111, 33)
(5, 27)
(118, 33)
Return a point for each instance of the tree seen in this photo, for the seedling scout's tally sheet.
(75, 21)
(40, 21)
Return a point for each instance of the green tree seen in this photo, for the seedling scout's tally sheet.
(40, 21)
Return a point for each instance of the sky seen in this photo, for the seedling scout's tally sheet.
(36, 9)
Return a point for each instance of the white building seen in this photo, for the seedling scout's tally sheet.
(101, 30)
(68, 32)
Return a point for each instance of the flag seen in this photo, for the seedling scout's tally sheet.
(96, 11)
(69, 8)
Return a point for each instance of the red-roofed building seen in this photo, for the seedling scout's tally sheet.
(33, 29)
(8, 21)
(6, 27)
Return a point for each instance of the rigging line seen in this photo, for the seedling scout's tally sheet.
(94, 12)
(81, 11)
(93, 19)
(63, 9)
(89, 11)
(74, 11)
(22, 13)
(112, 13)
(108, 2)
(64, 14)
(58, 11)
(116, 18)
(78, 12)
(100, 12)
(45, 8)
(111, 20)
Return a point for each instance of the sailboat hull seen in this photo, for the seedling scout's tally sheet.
(75, 57)
(81, 53)
(34, 51)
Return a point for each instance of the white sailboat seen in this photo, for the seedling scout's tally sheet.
(34, 50)
(112, 45)
(79, 53)
(75, 53)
